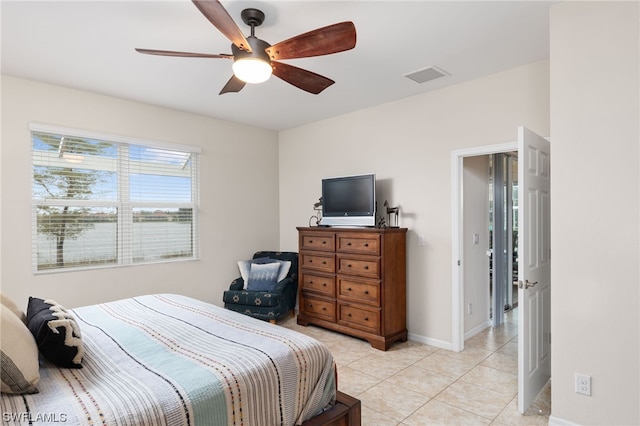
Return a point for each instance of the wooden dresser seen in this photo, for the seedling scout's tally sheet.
(353, 280)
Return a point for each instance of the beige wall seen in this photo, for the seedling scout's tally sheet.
(595, 211)
(239, 194)
(408, 145)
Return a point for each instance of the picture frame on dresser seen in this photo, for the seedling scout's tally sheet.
(353, 281)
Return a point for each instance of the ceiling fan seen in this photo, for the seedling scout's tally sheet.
(254, 60)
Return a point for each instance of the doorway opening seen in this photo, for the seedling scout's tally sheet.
(533, 248)
(502, 181)
(482, 255)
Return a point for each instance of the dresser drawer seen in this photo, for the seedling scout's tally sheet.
(319, 284)
(359, 291)
(355, 243)
(367, 319)
(365, 267)
(319, 262)
(317, 241)
(319, 308)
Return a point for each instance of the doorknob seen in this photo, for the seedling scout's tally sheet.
(526, 284)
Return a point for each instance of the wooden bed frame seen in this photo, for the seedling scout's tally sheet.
(345, 412)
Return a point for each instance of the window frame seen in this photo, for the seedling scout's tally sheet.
(124, 205)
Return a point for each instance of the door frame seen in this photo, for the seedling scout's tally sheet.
(457, 253)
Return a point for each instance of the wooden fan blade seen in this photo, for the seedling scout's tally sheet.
(183, 54)
(220, 18)
(233, 85)
(302, 79)
(323, 41)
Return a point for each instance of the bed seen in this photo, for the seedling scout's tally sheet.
(172, 360)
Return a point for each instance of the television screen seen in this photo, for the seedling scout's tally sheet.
(349, 201)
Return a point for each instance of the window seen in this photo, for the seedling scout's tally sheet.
(102, 200)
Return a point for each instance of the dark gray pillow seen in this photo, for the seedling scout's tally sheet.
(56, 332)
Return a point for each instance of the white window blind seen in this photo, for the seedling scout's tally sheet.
(99, 201)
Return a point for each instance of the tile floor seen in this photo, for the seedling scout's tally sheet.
(416, 384)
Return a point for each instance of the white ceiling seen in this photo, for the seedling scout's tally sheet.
(89, 45)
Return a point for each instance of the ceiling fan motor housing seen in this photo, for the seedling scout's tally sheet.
(258, 50)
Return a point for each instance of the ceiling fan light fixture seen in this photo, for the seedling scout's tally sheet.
(255, 66)
(252, 70)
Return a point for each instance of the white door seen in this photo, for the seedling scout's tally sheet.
(534, 267)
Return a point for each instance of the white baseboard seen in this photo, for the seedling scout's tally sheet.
(447, 345)
(431, 342)
(477, 330)
(555, 421)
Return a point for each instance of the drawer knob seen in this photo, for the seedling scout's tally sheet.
(324, 262)
(324, 308)
(366, 267)
(366, 318)
(348, 244)
(324, 242)
(324, 284)
(310, 241)
(366, 244)
(366, 292)
(348, 288)
(349, 314)
(349, 265)
(310, 281)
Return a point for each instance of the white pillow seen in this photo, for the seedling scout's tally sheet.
(5, 301)
(19, 352)
(285, 265)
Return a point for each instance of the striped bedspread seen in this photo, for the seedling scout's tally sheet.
(172, 360)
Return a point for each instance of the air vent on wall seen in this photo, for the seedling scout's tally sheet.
(426, 74)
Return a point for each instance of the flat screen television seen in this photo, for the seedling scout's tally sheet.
(349, 201)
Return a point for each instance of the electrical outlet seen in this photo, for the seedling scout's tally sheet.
(583, 384)
(469, 309)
